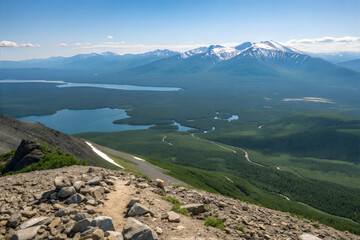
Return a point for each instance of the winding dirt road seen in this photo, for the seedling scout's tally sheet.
(221, 146)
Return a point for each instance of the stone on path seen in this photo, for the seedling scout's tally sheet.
(135, 230)
(25, 234)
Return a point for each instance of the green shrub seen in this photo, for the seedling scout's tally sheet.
(55, 159)
(215, 222)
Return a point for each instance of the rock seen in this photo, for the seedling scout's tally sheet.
(160, 183)
(66, 192)
(135, 230)
(92, 170)
(28, 214)
(97, 195)
(25, 234)
(133, 201)
(137, 210)
(62, 212)
(180, 227)
(60, 237)
(81, 216)
(158, 230)
(117, 235)
(307, 236)
(101, 190)
(194, 208)
(33, 222)
(61, 182)
(97, 234)
(104, 223)
(14, 220)
(55, 222)
(81, 225)
(142, 185)
(173, 216)
(76, 198)
(85, 190)
(94, 181)
(77, 185)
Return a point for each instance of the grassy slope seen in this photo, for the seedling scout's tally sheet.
(205, 165)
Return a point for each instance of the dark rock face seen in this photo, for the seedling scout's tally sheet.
(27, 153)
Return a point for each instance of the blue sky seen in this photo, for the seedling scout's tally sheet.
(44, 28)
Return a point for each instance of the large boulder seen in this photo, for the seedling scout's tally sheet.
(33, 222)
(104, 223)
(81, 226)
(137, 210)
(194, 208)
(25, 234)
(94, 181)
(135, 230)
(66, 192)
(61, 182)
(76, 198)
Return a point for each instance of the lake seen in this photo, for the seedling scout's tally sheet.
(62, 84)
(78, 121)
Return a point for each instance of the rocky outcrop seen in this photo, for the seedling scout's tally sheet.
(12, 131)
(93, 203)
(27, 153)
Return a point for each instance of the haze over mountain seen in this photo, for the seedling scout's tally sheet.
(353, 64)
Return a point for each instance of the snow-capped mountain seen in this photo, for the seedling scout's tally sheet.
(261, 50)
(219, 53)
(193, 52)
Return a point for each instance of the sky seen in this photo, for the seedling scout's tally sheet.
(46, 28)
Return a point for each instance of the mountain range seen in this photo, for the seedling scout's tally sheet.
(266, 58)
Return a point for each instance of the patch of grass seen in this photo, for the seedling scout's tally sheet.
(176, 205)
(160, 192)
(173, 200)
(316, 225)
(240, 228)
(215, 222)
(285, 228)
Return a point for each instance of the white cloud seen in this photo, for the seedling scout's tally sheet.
(110, 37)
(16, 45)
(73, 44)
(327, 44)
(122, 47)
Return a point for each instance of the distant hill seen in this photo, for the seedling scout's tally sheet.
(12, 132)
(95, 62)
(353, 64)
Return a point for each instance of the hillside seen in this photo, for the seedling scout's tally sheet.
(352, 64)
(12, 131)
(94, 203)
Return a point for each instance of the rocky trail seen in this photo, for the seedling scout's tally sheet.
(81, 202)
